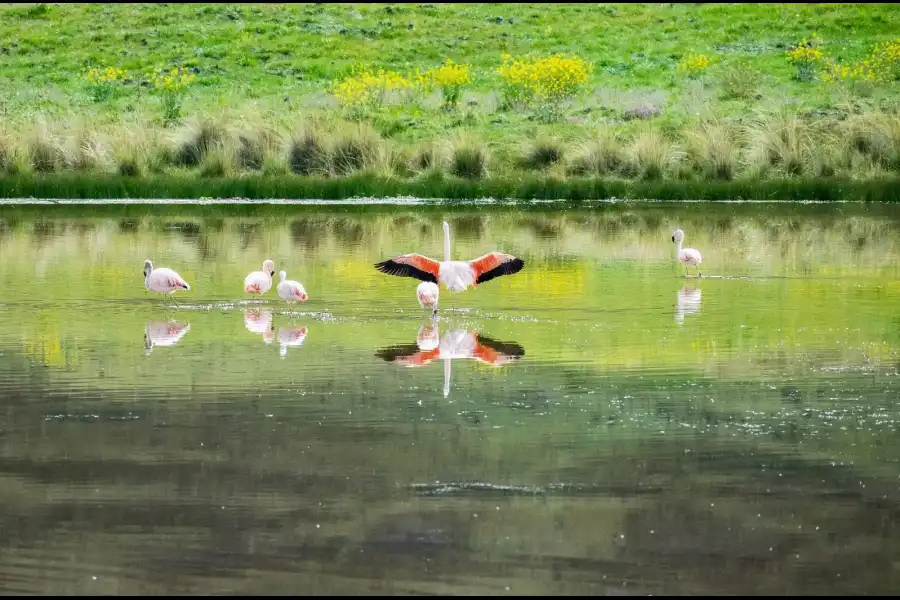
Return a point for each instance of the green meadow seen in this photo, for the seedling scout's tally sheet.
(668, 101)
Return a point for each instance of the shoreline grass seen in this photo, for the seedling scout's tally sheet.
(451, 101)
(440, 190)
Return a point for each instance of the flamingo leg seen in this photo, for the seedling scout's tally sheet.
(174, 300)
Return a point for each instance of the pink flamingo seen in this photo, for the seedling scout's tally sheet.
(163, 280)
(260, 282)
(291, 291)
(456, 275)
(687, 256)
(427, 293)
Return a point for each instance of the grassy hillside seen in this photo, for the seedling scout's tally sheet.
(679, 92)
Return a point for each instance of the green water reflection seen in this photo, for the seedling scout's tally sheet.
(596, 423)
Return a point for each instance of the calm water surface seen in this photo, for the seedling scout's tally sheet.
(607, 426)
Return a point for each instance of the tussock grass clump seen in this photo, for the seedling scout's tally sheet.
(877, 137)
(543, 153)
(87, 150)
(354, 148)
(137, 150)
(468, 157)
(308, 151)
(429, 156)
(712, 150)
(600, 155)
(7, 154)
(650, 156)
(45, 150)
(781, 143)
(256, 145)
(395, 161)
(196, 140)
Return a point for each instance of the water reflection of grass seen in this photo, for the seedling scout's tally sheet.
(604, 263)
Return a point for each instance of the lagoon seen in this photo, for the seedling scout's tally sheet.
(610, 426)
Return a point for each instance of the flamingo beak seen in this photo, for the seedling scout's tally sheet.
(673, 238)
(272, 273)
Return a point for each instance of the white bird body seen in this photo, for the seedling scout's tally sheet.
(291, 291)
(456, 275)
(162, 280)
(427, 294)
(687, 256)
(260, 282)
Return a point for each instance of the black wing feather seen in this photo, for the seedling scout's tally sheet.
(507, 268)
(511, 349)
(392, 353)
(404, 270)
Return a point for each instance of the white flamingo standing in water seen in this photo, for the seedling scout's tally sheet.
(260, 282)
(456, 275)
(163, 280)
(427, 294)
(687, 256)
(289, 290)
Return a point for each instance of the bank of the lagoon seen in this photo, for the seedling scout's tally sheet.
(441, 189)
(735, 101)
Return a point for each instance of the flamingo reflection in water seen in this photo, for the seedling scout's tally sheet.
(455, 344)
(163, 333)
(260, 322)
(290, 336)
(688, 302)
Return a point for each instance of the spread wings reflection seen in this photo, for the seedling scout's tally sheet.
(455, 344)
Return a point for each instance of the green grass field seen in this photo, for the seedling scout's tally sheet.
(260, 101)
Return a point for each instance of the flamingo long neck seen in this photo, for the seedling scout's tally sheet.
(678, 247)
(447, 377)
(447, 244)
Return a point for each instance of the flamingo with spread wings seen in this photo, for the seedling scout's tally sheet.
(456, 275)
(455, 344)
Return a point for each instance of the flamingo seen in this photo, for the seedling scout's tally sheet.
(289, 290)
(163, 333)
(687, 256)
(456, 275)
(163, 280)
(427, 293)
(455, 344)
(259, 282)
(290, 336)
